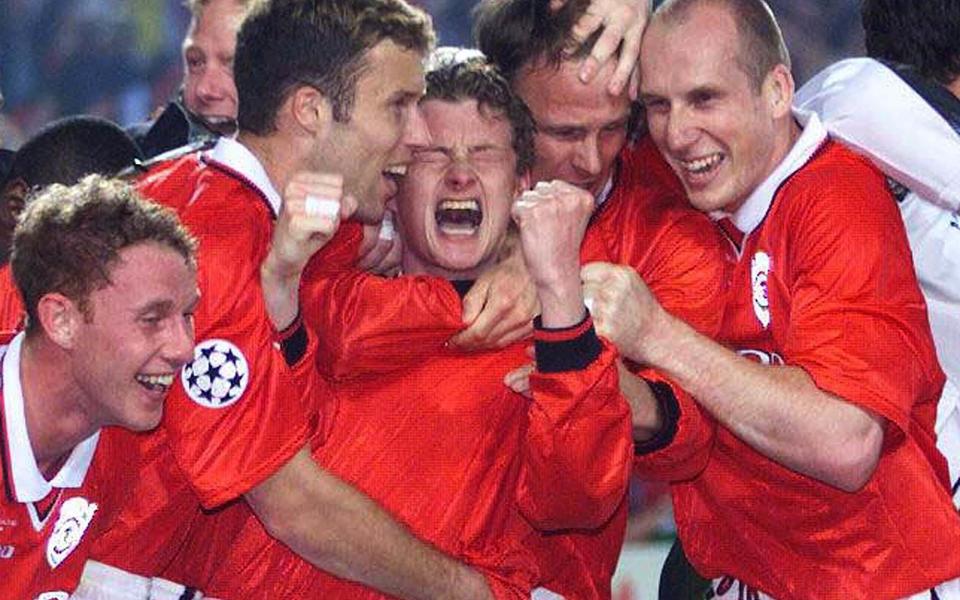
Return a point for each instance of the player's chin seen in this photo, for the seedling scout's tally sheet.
(145, 420)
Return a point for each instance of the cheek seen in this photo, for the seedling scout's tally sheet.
(552, 156)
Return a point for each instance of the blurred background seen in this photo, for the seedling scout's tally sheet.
(121, 59)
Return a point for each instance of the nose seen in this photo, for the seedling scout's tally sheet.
(415, 135)
(215, 85)
(179, 349)
(587, 156)
(680, 131)
(459, 176)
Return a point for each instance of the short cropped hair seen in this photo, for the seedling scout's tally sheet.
(196, 6)
(924, 34)
(70, 237)
(284, 44)
(453, 79)
(761, 42)
(514, 34)
(66, 150)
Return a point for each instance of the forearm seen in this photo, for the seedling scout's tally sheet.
(561, 304)
(341, 531)
(777, 410)
(645, 414)
(280, 292)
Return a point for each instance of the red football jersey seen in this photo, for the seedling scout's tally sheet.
(645, 223)
(47, 527)
(823, 280)
(238, 413)
(12, 312)
(434, 436)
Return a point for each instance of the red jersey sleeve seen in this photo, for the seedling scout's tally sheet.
(858, 323)
(237, 414)
(682, 448)
(12, 311)
(578, 447)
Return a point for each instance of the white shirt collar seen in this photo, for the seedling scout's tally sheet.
(751, 213)
(604, 194)
(29, 483)
(237, 157)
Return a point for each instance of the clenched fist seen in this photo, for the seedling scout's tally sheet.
(552, 219)
(313, 206)
(623, 308)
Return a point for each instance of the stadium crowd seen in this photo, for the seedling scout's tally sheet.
(355, 316)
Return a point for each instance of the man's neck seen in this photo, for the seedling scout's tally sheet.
(54, 409)
(276, 154)
(412, 265)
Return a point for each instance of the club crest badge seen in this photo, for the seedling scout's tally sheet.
(75, 516)
(759, 270)
(218, 375)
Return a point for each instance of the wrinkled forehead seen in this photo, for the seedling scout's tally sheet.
(466, 123)
(555, 91)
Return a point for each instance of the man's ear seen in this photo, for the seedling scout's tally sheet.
(311, 110)
(778, 89)
(60, 318)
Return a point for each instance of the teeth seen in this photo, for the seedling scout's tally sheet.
(701, 165)
(161, 382)
(398, 170)
(459, 205)
(457, 229)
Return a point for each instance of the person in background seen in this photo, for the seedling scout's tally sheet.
(62, 152)
(206, 103)
(900, 106)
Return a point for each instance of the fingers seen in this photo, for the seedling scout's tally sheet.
(595, 272)
(634, 84)
(518, 380)
(605, 46)
(475, 300)
(626, 70)
(623, 23)
(313, 203)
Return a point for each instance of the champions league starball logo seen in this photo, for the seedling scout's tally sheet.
(218, 375)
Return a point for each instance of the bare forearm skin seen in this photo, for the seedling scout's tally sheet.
(777, 410)
(343, 532)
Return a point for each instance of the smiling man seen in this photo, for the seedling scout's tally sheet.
(110, 306)
(206, 106)
(819, 408)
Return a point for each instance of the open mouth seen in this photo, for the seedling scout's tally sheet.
(222, 125)
(703, 165)
(156, 383)
(393, 175)
(459, 217)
